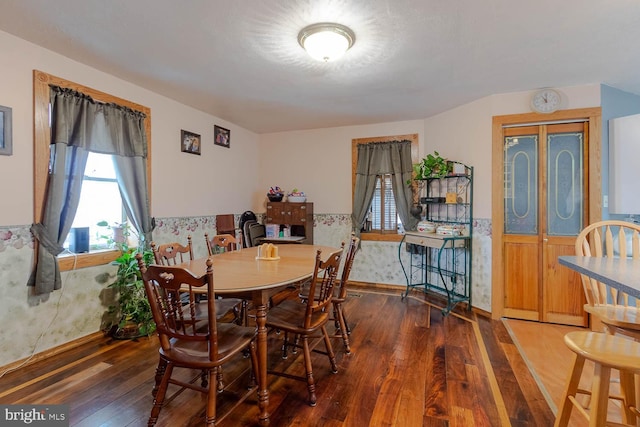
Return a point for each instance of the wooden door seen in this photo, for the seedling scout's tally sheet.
(545, 207)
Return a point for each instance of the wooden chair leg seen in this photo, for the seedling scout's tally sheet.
(329, 347)
(628, 391)
(343, 327)
(219, 378)
(599, 395)
(162, 366)
(158, 400)
(344, 319)
(244, 313)
(285, 344)
(296, 344)
(211, 397)
(311, 386)
(566, 405)
(254, 364)
(204, 378)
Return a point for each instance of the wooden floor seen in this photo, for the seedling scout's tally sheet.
(465, 370)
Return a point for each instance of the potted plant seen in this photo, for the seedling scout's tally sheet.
(432, 166)
(118, 236)
(130, 315)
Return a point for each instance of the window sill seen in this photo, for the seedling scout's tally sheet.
(378, 237)
(71, 262)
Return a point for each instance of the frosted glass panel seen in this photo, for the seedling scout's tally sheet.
(564, 184)
(521, 189)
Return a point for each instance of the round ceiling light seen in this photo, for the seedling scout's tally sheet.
(326, 41)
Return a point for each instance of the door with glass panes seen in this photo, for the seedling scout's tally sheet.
(545, 207)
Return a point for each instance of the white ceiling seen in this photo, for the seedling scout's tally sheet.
(240, 60)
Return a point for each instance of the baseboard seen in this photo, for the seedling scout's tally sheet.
(54, 351)
(401, 288)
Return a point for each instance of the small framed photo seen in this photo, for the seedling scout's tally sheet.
(190, 142)
(221, 136)
(6, 147)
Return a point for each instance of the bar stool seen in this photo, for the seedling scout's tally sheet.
(607, 352)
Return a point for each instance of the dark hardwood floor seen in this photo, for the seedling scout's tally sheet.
(464, 370)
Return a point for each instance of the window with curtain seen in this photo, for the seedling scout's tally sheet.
(381, 198)
(111, 126)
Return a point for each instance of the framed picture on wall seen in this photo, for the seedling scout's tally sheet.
(221, 136)
(6, 147)
(190, 142)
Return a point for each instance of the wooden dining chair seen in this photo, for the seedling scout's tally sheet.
(305, 320)
(173, 253)
(607, 352)
(222, 243)
(225, 243)
(340, 291)
(618, 312)
(184, 341)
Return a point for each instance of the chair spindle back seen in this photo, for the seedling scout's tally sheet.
(609, 238)
(322, 284)
(172, 253)
(164, 286)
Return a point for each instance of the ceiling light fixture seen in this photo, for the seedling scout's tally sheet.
(326, 41)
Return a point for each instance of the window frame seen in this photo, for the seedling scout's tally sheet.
(376, 235)
(41, 156)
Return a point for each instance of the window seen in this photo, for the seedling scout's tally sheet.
(94, 176)
(383, 217)
(99, 201)
(382, 221)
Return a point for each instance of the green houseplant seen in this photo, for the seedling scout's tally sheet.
(431, 166)
(130, 315)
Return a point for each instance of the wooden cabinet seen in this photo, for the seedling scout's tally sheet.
(297, 215)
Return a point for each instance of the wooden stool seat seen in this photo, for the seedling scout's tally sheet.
(607, 352)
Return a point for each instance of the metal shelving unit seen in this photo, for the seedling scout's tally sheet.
(442, 263)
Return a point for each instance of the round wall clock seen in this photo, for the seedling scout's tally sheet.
(545, 101)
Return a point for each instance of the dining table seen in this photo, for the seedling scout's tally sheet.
(622, 274)
(244, 274)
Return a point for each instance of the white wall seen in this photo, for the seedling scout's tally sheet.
(314, 160)
(218, 181)
(318, 161)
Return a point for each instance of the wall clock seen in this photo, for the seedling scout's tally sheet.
(545, 101)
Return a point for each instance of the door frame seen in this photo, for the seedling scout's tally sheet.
(594, 117)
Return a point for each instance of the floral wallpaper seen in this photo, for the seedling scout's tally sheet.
(16, 237)
(79, 308)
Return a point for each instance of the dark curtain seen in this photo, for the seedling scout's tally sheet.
(374, 159)
(80, 125)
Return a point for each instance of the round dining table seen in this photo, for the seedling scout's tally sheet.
(244, 274)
